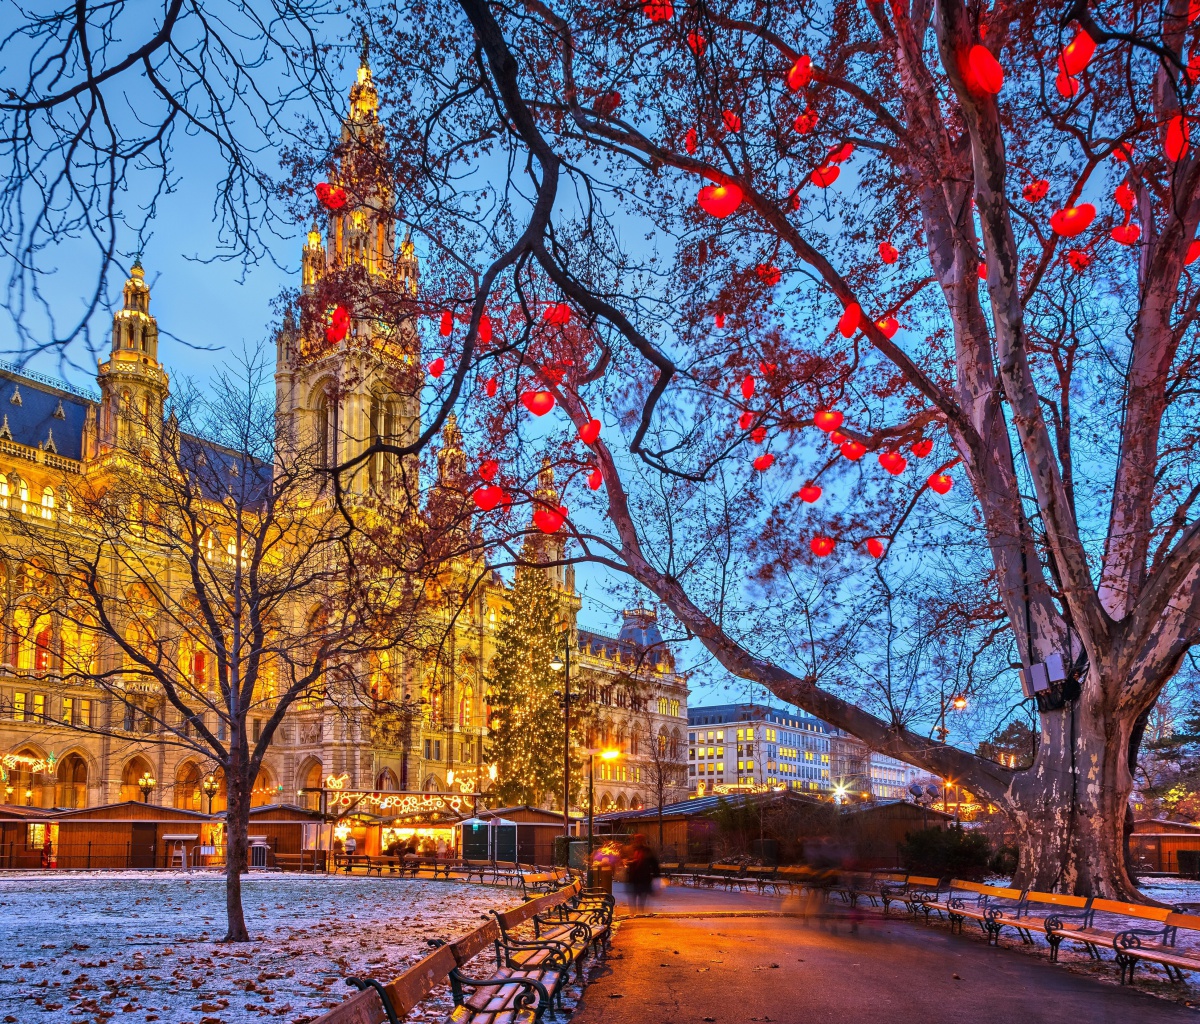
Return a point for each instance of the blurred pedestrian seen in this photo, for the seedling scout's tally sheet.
(641, 869)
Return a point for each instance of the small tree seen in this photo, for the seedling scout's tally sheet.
(664, 773)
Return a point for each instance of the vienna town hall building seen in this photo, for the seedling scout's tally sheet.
(66, 744)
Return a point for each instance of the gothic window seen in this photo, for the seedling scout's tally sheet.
(23, 494)
(326, 429)
(4, 491)
(48, 503)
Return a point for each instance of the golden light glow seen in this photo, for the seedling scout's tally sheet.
(609, 755)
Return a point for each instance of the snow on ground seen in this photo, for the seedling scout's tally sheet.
(132, 947)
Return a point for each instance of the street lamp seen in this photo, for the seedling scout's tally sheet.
(210, 785)
(564, 665)
(146, 784)
(605, 755)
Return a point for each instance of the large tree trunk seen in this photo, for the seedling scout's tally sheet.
(237, 842)
(1069, 809)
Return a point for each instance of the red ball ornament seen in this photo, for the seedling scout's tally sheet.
(836, 437)
(888, 252)
(827, 419)
(1068, 87)
(1036, 191)
(557, 314)
(941, 482)
(1072, 220)
(487, 498)
(981, 271)
(825, 175)
(447, 326)
(893, 462)
(821, 546)
(1077, 54)
(1124, 197)
(589, 432)
(437, 367)
(809, 493)
(875, 547)
(850, 321)
(1193, 252)
(805, 122)
(595, 479)
(921, 448)
(764, 462)
(538, 402)
(720, 200)
(768, 274)
(490, 387)
(697, 43)
(853, 451)
(1078, 260)
(332, 197)
(800, 73)
(889, 325)
(339, 325)
(758, 435)
(689, 141)
(746, 420)
(658, 12)
(550, 520)
(485, 329)
(719, 321)
(986, 74)
(765, 368)
(488, 469)
(747, 387)
(1126, 234)
(1175, 142)
(733, 123)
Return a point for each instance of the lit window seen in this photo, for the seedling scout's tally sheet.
(68, 711)
(48, 503)
(3, 491)
(85, 714)
(23, 493)
(19, 706)
(39, 707)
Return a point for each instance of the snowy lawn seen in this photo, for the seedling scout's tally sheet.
(133, 947)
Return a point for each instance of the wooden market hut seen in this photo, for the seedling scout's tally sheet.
(535, 831)
(874, 833)
(22, 836)
(135, 835)
(1161, 847)
(289, 837)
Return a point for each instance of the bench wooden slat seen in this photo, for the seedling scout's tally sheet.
(474, 943)
(1135, 910)
(407, 990)
(360, 1008)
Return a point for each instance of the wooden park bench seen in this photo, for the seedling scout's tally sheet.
(1081, 925)
(857, 885)
(980, 903)
(912, 892)
(1159, 946)
(553, 942)
(349, 861)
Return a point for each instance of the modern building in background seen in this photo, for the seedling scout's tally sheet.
(861, 773)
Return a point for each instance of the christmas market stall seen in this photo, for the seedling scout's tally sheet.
(1162, 847)
(134, 834)
(524, 835)
(23, 832)
(287, 837)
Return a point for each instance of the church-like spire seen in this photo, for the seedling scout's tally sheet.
(452, 460)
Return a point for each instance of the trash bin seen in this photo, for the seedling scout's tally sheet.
(602, 877)
(258, 856)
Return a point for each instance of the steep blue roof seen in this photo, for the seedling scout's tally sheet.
(38, 412)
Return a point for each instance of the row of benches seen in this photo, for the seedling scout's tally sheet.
(528, 880)
(1135, 932)
(537, 946)
(752, 878)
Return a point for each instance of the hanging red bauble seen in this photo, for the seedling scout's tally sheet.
(1078, 260)
(986, 74)
(800, 73)
(606, 104)
(764, 462)
(490, 387)
(981, 271)
(437, 367)
(1068, 87)
(821, 546)
(589, 432)
(809, 493)
(538, 402)
(893, 462)
(853, 451)
(888, 252)
(1124, 197)
(746, 420)
(332, 197)
(720, 200)
(768, 274)
(1126, 234)
(758, 435)
(488, 469)
(689, 141)
(765, 368)
(1175, 142)
(697, 43)
(922, 447)
(719, 321)
(1193, 252)
(1072, 220)
(889, 325)
(733, 123)
(805, 122)
(836, 437)
(487, 498)
(1077, 54)
(339, 325)
(840, 154)
(658, 12)
(447, 327)
(825, 175)
(1122, 152)
(557, 314)
(485, 330)
(550, 520)
(850, 321)
(941, 482)
(875, 547)
(747, 387)
(827, 419)
(595, 479)
(1036, 191)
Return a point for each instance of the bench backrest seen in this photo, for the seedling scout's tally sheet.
(1138, 910)
(1058, 899)
(923, 880)
(518, 915)
(999, 892)
(1191, 922)
(965, 886)
(470, 946)
(360, 1008)
(887, 876)
(406, 991)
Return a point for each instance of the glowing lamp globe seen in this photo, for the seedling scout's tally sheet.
(821, 546)
(805, 122)
(488, 469)
(853, 451)
(538, 402)
(1193, 252)
(745, 420)
(889, 325)
(658, 12)
(697, 43)
(595, 479)
(825, 175)
(893, 462)
(875, 547)
(1036, 191)
(1126, 234)
(489, 388)
(487, 498)
(720, 200)
(1175, 142)
(986, 74)
(921, 448)
(437, 367)
(888, 252)
(850, 320)
(447, 325)
(1068, 87)
(1078, 260)
(332, 197)
(733, 123)
(748, 387)
(764, 462)
(485, 329)
(836, 437)
(800, 73)
(557, 314)
(1077, 54)
(1072, 220)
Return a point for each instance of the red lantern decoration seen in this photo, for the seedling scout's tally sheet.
(1124, 197)
(888, 252)
(1068, 87)
(986, 74)
(1122, 152)
(658, 12)
(765, 368)
(821, 546)
(800, 73)
(746, 420)
(1077, 54)
(922, 447)
(1072, 220)
(696, 43)
(488, 469)
(1126, 234)
(1078, 260)
(1175, 142)
(490, 387)
(981, 271)
(759, 435)
(853, 451)
(1193, 252)
(747, 387)
(719, 321)
(437, 367)
(487, 498)
(1036, 191)
(941, 482)
(485, 330)
(550, 520)
(557, 314)
(768, 274)
(827, 419)
(538, 402)
(764, 462)
(589, 432)
(825, 175)
(689, 141)
(720, 200)
(836, 437)
(332, 197)
(850, 321)
(893, 462)
(875, 547)
(840, 154)
(339, 325)
(805, 122)
(447, 327)
(889, 325)
(809, 493)
(595, 479)
(733, 123)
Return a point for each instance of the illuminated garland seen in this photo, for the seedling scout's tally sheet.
(32, 764)
(396, 804)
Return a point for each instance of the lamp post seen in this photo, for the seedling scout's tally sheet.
(210, 787)
(605, 755)
(146, 784)
(564, 666)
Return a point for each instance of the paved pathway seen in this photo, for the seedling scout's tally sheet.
(720, 958)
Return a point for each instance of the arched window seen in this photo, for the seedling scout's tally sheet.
(4, 491)
(265, 789)
(386, 781)
(30, 787)
(47, 502)
(326, 416)
(131, 775)
(32, 640)
(188, 794)
(23, 494)
(72, 782)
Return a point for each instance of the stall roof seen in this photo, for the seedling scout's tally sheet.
(134, 810)
(524, 814)
(705, 804)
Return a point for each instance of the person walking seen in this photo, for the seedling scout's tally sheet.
(641, 868)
